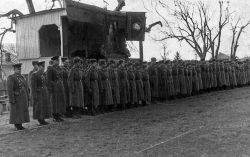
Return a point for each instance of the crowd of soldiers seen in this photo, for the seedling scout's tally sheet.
(101, 86)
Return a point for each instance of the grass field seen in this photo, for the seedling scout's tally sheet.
(211, 125)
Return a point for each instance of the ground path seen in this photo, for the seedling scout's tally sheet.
(210, 125)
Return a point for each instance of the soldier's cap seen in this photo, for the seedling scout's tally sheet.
(63, 59)
(77, 60)
(129, 64)
(17, 65)
(50, 62)
(102, 61)
(121, 61)
(92, 61)
(34, 63)
(42, 63)
(55, 58)
(153, 59)
(112, 62)
(144, 66)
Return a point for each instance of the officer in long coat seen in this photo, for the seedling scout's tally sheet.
(146, 85)
(162, 81)
(132, 85)
(92, 87)
(176, 81)
(124, 84)
(35, 68)
(204, 76)
(42, 108)
(56, 89)
(18, 98)
(153, 78)
(75, 87)
(170, 83)
(106, 98)
(139, 85)
(113, 77)
(198, 70)
(195, 82)
(182, 75)
(65, 74)
(85, 82)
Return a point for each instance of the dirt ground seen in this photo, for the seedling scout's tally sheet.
(211, 125)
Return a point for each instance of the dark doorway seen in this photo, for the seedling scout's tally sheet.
(50, 41)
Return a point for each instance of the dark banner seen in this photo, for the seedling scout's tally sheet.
(136, 25)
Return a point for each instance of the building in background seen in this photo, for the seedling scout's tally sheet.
(77, 29)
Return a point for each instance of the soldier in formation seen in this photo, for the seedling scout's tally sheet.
(42, 108)
(35, 68)
(56, 89)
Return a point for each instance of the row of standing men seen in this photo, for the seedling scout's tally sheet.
(71, 89)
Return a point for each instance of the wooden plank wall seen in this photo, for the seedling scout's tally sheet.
(27, 33)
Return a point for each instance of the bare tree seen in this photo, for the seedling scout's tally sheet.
(165, 52)
(177, 56)
(12, 14)
(11, 48)
(192, 25)
(121, 4)
(215, 37)
(53, 3)
(236, 32)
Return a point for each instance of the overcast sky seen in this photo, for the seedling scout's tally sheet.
(151, 48)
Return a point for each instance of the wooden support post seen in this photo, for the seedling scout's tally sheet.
(141, 50)
(64, 37)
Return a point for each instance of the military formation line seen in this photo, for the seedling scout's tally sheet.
(87, 86)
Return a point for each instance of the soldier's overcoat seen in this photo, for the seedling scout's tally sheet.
(153, 78)
(146, 86)
(105, 88)
(132, 87)
(18, 98)
(29, 86)
(76, 96)
(124, 86)
(113, 77)
(56, 89)
(92, 87)
(42, 108)
(169, 83)
(65, 75)
(139, 85)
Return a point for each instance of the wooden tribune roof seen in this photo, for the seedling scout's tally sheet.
(92, 14)
(85, 13)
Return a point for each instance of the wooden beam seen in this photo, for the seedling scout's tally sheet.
(30, 6)
(64, 36)
(141, 50)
